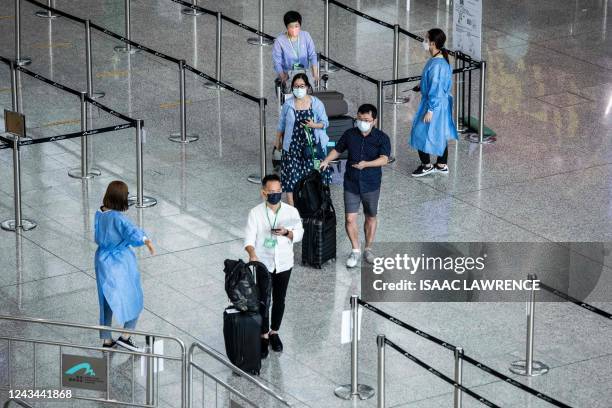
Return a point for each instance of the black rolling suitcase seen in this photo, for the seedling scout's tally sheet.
(319, 241)
(242, 333)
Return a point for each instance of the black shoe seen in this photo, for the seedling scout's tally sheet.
(422, 171)
(275, 342)
(264, 347)
(128, 344)
(441, 168)
(110, 345)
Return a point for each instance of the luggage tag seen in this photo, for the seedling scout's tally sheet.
(270, 243)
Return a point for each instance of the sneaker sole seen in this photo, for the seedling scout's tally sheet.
(444, 173)
(423, 174)
(128, 347)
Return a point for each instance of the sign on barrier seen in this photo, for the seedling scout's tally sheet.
(467, 27)
(84, 372)
(14, 123)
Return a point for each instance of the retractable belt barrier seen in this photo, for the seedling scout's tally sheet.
(364, 391)
(577, 302)
(457, 385)
(131, 45)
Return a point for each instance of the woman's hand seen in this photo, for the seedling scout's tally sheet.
(311, 123)
(278, 144)
(428, 116)
(150, 246)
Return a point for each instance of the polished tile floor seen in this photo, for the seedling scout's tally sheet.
(549, 99)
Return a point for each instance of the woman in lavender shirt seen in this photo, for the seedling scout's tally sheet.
(294, 50)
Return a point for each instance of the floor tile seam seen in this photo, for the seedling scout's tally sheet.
(568, 56)
(41, 279)
(537, 178)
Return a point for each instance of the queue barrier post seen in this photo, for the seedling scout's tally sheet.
(192, 11)
(380, 372)
(354, 389)
(18, 223)
(182, 136)
(254, 178)
(151, 363)
(393, 99)
(15, 88)
(218, 37)
(457, 393)
(260, 40)
(89, 63)
(127, 48)
(140, 200)
(328, 67)
(529, 367)
(380, 101)
(459, 88)
(481, 106)
(84, 172)
(48, 13)
(19, 59)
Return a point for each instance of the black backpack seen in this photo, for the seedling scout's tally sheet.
(312, 197)
(247, 289)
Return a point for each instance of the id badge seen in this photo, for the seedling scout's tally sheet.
(270, 243)
(316, 164)
(298, 67)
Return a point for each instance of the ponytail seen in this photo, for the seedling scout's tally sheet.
(445, 55)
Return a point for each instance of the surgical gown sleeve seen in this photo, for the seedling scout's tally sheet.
(132, 235)
(435, 91)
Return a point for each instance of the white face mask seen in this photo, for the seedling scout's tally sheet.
(363, 126)
(426, 45)
(299, 92)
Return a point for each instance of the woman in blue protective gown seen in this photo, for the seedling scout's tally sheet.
(433, 124)
(117, 276)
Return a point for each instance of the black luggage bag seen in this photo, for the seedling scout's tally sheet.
(319, 241)
(242, 334)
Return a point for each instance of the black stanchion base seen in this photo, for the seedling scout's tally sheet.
(260, 41)
(46, 14)
(520, 368)
(78, 174)
(474, 138)
(191, 12)
(364, 392)
(397, 101)
(26, 225)
(146, 202)
(176, 138)
(254, 178)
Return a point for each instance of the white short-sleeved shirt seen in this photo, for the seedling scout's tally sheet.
(279, 258)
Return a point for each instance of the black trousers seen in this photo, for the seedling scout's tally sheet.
(441, 160)
(280, 282)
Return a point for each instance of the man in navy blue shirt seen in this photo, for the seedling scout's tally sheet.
(368, 150)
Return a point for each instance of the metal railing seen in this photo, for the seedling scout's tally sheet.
(152, 359)
(7, 404)
(362, 391)
(191, 366)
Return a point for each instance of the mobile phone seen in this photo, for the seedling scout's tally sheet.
(276, 230)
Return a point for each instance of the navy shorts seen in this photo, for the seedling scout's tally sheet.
(369, 201)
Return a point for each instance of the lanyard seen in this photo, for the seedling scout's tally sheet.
(296, 50)
(275, 216)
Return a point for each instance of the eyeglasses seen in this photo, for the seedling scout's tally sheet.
(300, 86)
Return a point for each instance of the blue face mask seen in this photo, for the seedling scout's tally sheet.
(274, 198)
(299, 92)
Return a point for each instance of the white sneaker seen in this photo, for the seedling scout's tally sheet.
(352, 260)
(368, 256)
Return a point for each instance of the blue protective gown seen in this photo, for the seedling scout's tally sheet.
(436, 84)
(117, 275)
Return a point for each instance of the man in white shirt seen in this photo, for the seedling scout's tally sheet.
(272, 229)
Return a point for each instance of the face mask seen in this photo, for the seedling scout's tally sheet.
(274, 198)
(363, 126)
(426, 45)
(299, 92)
(293, 32)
